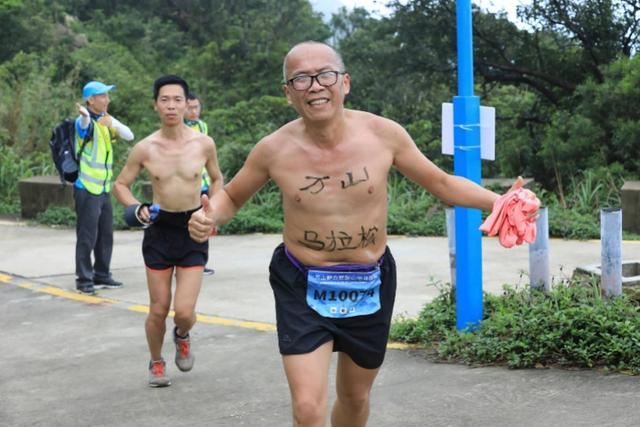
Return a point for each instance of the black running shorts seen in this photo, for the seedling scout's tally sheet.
(301, 329)
(167, 244)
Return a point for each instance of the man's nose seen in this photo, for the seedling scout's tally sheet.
(315, 84)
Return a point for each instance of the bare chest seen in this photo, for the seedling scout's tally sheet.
(183, 163)
(333, 181)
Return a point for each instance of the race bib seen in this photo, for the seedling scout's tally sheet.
(339, 294)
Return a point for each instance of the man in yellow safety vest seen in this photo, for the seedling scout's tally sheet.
(96, 130)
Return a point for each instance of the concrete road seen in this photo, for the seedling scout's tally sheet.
(71, 360)
(240, 287)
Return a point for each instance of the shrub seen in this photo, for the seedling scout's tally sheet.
(261, 214)
(523, 328)
(66, 217)
(57, 215)
(413, 211)
(15, 167)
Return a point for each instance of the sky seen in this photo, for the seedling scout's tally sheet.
(491, 5)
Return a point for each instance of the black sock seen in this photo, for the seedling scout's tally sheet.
(182, 337)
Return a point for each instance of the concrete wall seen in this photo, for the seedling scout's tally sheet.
(39, 192)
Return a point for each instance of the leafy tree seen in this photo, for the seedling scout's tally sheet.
(607, 104)
(562, 84)
(30, 103)
(237, 129)
(25, 27)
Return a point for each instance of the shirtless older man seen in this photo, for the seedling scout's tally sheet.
(333, 278)
(174, 157)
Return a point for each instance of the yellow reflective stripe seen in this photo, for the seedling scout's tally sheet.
(98, 165)
(84, 177)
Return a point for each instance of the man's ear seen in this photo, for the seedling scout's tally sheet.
(346, 83)
(287, 93)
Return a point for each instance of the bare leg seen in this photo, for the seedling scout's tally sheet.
(188, 284)
(159, 284)
(308, 376)
(353, 385)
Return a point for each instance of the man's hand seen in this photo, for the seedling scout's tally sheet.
(105, 120)
(144, 215)
(82, 110)
(516, 185)
(533, 201)
(201, 221)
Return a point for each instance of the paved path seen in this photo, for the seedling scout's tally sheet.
(69, 360)
(240, 287)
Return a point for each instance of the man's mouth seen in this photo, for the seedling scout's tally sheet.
(318, 101)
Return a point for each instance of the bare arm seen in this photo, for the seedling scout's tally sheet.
(225, 203)
(122, 184)
(250, 178)
(450, 189)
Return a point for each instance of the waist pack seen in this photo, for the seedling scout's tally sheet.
(63, 152)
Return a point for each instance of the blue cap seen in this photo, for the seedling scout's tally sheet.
(95, 88)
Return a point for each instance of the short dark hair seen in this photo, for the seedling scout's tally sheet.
(191, 96)
(169, 79)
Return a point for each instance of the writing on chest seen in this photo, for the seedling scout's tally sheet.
(316, 183)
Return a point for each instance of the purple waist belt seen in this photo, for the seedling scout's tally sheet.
(338, 267)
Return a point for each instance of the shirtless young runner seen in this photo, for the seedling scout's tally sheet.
(174, 157)
(333, 278)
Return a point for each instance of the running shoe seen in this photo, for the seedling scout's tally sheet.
(107, 284)
(184, 356)
(86, 288)
(157, 374)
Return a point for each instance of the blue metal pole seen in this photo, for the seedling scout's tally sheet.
(466, 163)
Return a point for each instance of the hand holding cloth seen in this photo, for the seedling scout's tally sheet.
(513, 218)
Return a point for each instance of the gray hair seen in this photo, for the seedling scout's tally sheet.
(310, 42)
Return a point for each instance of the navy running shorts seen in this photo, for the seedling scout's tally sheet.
(301, 329)
(167, 244)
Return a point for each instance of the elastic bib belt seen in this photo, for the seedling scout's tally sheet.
(174, 219)
(338, 267)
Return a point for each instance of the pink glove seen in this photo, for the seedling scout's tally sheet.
(513, 218)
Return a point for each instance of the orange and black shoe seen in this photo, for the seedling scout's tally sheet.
(184, 356)
(157, 374)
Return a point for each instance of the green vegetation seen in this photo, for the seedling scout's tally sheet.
(561, 87)
(564, 88)
(57, 216)
(572, 326)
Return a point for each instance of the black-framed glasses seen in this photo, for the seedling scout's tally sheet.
(324, 79)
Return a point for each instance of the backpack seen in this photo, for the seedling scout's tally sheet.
(62, 144)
